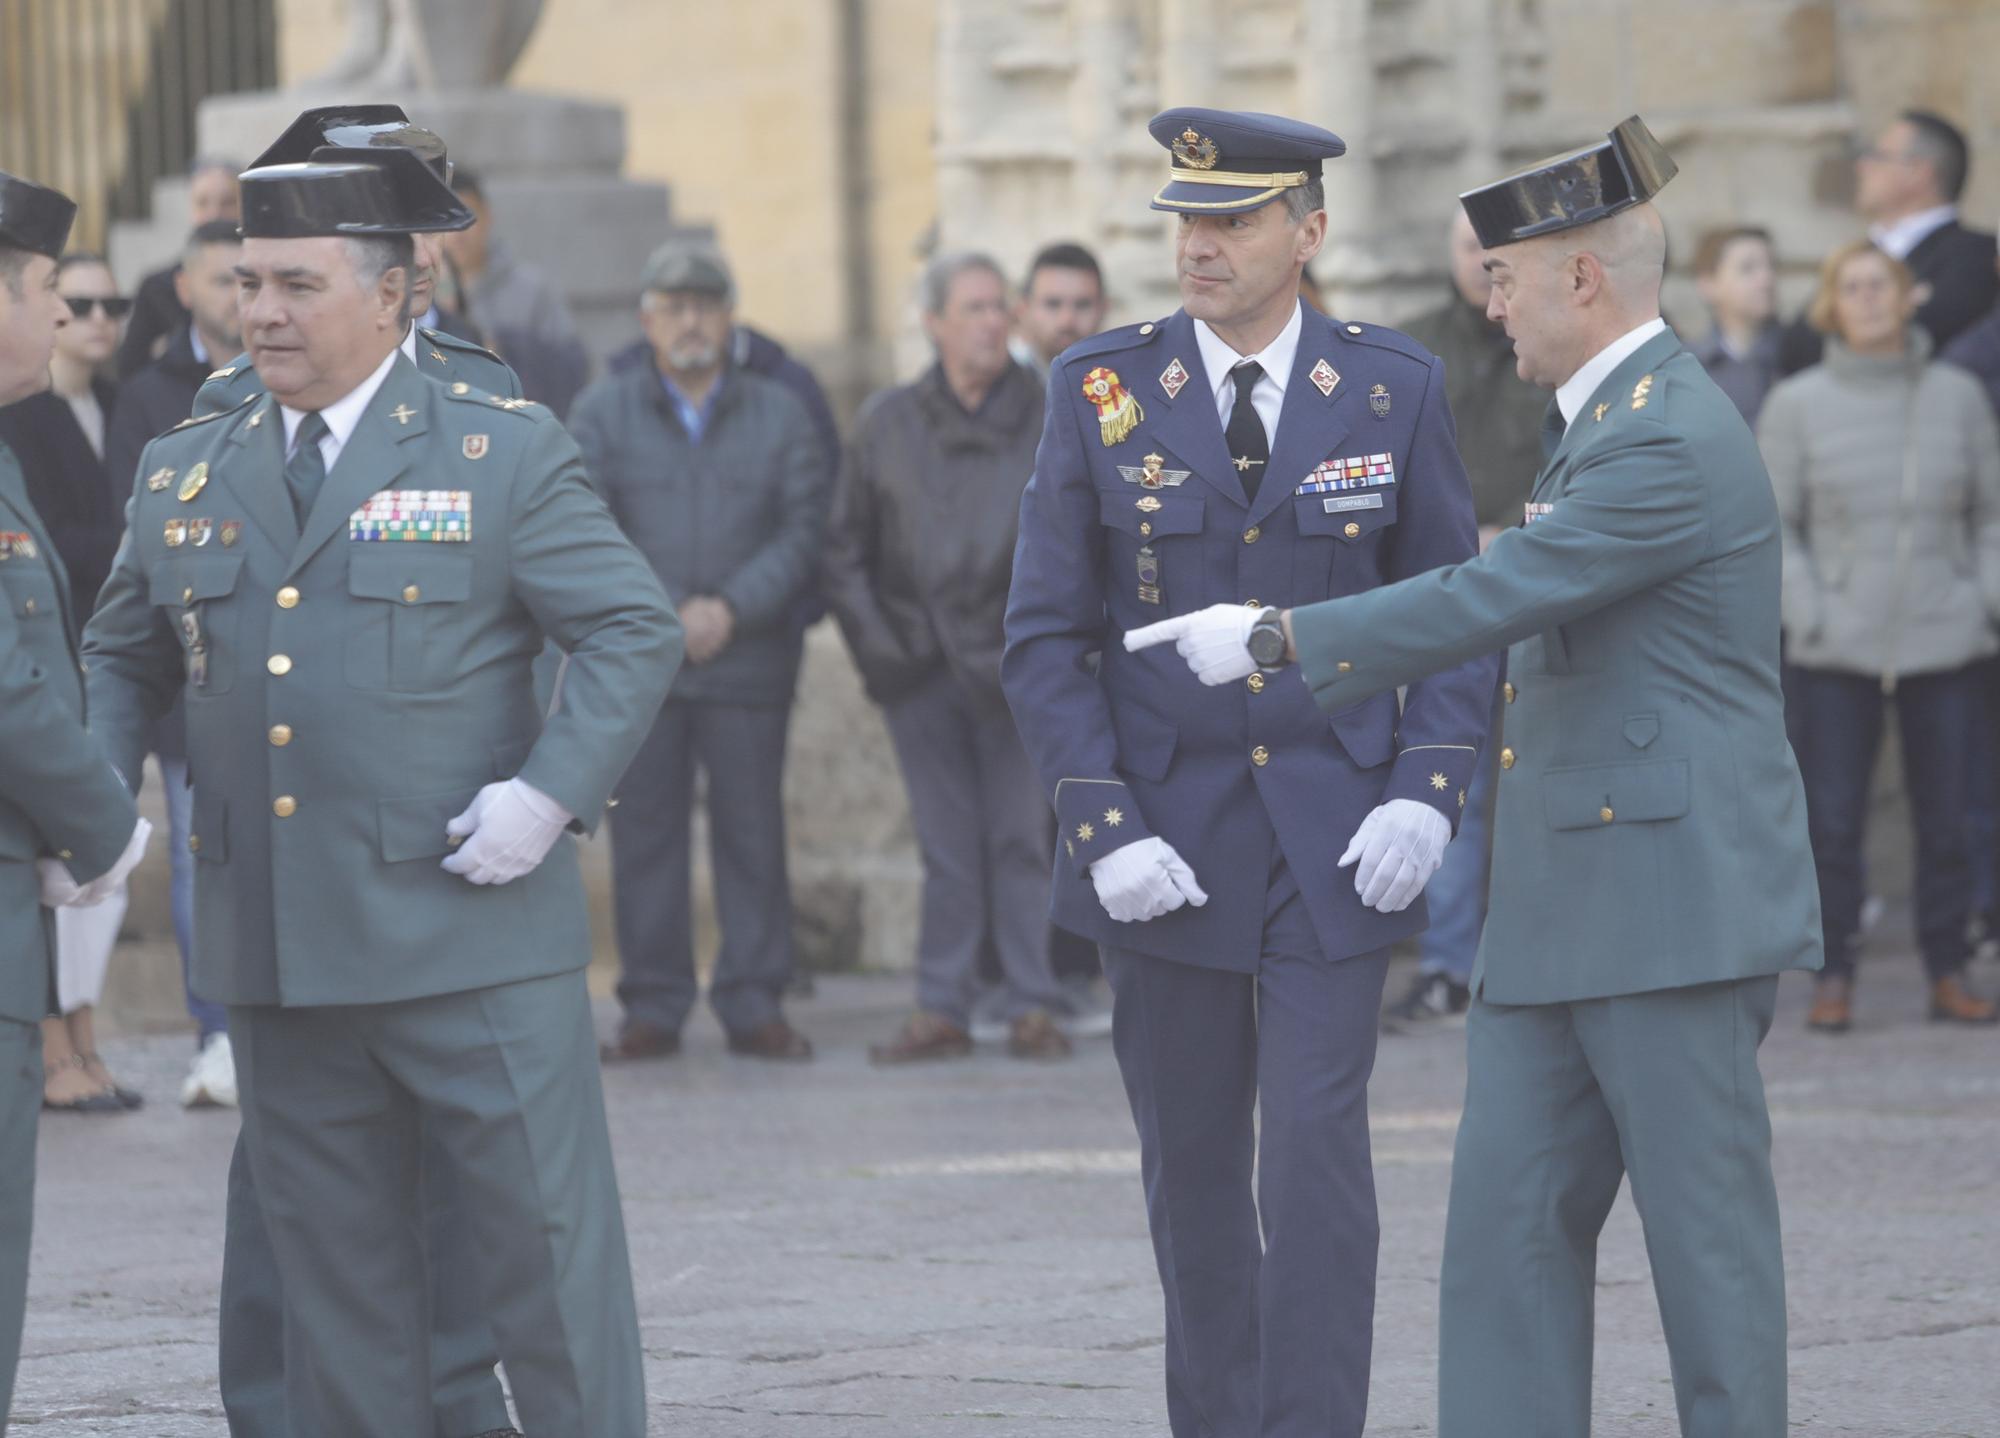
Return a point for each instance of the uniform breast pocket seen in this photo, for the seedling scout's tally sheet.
(198, 598)
(400, 632)
(1152, 544)
(30, 593)
(1339, 528)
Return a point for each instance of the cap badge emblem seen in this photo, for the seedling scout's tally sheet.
(1195, 150)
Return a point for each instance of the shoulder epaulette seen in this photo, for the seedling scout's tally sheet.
(1124, 337)
(1382, 337)
(468, 394)
(195, 419)
(451, 341)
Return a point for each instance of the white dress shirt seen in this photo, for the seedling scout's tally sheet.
(341, 416)
(1268, 397)
(1579, 387)
(1898, 239)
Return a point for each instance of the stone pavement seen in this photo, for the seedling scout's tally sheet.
(837, 1252)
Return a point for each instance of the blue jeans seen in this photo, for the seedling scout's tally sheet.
(208, 1018)
(1456, 894)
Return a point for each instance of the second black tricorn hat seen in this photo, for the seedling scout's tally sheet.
(340, 191)
(34, 217)
(355, 127)
(1626, 168)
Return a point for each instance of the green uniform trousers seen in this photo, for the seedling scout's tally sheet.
(339, 1103)
(1562, 1102)
(20, 1112)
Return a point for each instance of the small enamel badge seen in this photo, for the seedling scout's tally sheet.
(1148, 474)
(1378, 401)
(1324, 377)
(200, 531)
(159, 479)
(1173, 379)
(1147, 504)
(232, 530)
(474, 446)
(195, 481)
(176, 533)
(1118, 412)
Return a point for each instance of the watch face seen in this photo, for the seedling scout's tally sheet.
(1267, 644)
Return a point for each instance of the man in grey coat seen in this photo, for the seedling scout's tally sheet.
(715, 474)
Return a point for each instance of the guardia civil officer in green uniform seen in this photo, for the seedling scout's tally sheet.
(251, 1351)
(350, 577)
(433, 349)
(65, 817)
(1651, 874)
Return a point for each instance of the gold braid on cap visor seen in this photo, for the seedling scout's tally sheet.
(1270, 185)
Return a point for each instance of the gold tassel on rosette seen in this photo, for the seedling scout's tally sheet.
(1118, 412)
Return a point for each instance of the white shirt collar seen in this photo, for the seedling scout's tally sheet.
(1579, 387)
(409, 345)
(1897, 239)
(343, 414)
(1276, 358)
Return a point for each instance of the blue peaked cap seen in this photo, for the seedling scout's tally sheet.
(1226, 162)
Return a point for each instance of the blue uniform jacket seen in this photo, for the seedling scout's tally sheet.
(1132, 745)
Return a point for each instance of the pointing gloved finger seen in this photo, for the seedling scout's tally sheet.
(1160, 633)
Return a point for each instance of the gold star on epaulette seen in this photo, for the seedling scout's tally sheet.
(1113, 818)
(1085, 832)
(1440, 783)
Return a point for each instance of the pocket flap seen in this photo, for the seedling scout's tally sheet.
(1347, 515)
(31, 591)
(1641, 729)
(192, 580)
(413, 828)
(1367, 731)
(1178, 513)
(1146, 742)
(1598, 796)
(408, 573)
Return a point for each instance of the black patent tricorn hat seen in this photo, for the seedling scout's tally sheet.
(355, 127)
(34, 217)
(341, 191)
(1626, 168)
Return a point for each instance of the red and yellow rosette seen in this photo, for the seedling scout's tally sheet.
(1118, 413)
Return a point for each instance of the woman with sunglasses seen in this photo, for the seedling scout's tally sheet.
(58, 436)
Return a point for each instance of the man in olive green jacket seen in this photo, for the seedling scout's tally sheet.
(1651, 873)
(64, 814)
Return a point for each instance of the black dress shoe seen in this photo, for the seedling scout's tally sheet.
(639, 1040)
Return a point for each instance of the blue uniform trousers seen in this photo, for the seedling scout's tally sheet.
(1267, 1336)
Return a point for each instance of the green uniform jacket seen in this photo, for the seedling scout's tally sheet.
(58, 792)
(350, 694)
(1651, 827)
(440, 356)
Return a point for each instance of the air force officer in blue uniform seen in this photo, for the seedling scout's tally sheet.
(1244, 861)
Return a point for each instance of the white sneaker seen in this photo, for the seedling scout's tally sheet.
(211, 1080)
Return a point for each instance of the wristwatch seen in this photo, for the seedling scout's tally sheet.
(1267, 641)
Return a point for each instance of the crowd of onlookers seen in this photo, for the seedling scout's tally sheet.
(719, 454)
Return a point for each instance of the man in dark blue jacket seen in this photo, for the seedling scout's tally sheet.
(717, 476)
(1240, 451)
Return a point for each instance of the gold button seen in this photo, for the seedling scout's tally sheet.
(194, 843)
(461, 388)
(1354, 329)
(411, 594)
(1252, 534)
(1353, 531)
(29, 607)
(288, 598)
(279, 664)
(1256, 682)
(1145, 527)
(284, 806)
(1260, 756)
(1253, 604)
(454, 840)
(64, 854)
(1506, 758)
(187, 595)
(1605, 814)
(1344, 667)
(612, 802)
(1146, 328)
(1507, 692)
(281, 734)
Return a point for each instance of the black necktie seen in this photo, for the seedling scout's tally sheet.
(1249, 446)
(1553, 429)
(305, 471)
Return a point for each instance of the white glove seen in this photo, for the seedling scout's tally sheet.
(60, 888)
(512, 826)
(1144, 880)
(1214, 641)
(1400, 845)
